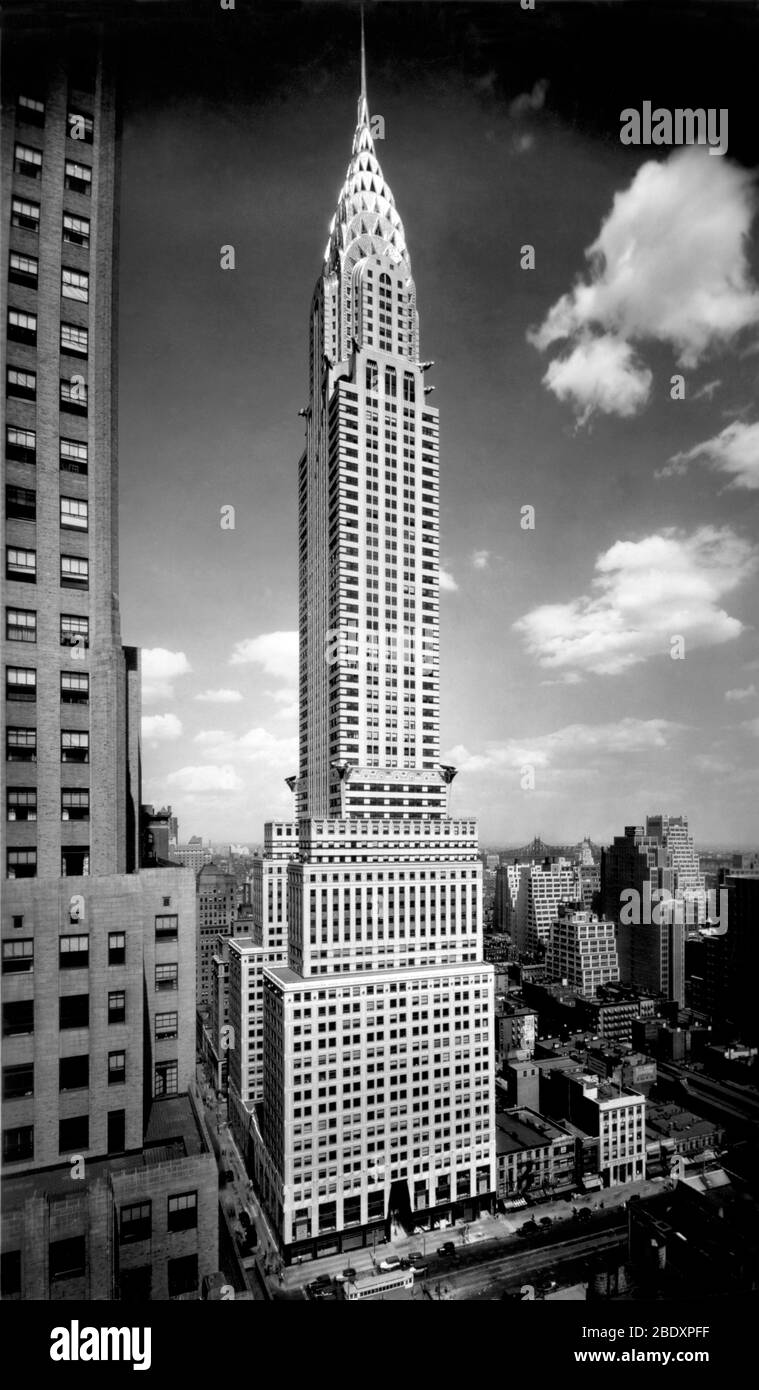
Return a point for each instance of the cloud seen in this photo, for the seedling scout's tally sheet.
(574, 742)
(219, 697)
(275, 652)
(256, 746)
(447, 582)
(752, 726)
(480, 559)
(600, 374)
(746, 693)
(669, 264)
(161, 728)
(288, 699)
(205, 780)
(707, 390)
(522, 144)
(160, 668)
(733, 452)
(645, 592)
(527, 102)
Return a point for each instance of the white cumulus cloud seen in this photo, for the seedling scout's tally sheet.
(160, 669)
(747, 693)
(574, 743)
(275, 652)
(209, 779)
(447, 582)
(644, 593)
(600, 373)
(480, 559)
(733, 452)
(219, 697)
(669, 264)
(161, 728)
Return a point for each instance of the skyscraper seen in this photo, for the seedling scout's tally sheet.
(98, 979)
(378, 1088)
(582, 950)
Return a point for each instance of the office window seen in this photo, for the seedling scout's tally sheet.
(166, 1026)
(116, 1137)
(74, 1072)
(183, 1211)
(77, 177)
(74, 340)
(75, 861)
(116, 1006)
(73, 952)
(75, 572)
(80, 127)
(166, 977)
(20, 503)
(75, 687)
(135, 1222)
(166, 1079)
(76, 230)
(75, 284)
(21, 863)
(116, 948)
(20, 625)
(18, 1081)
(18, 956)
(67, 1258)
(25, 214)
(116, 1068)
(73, 395)
(73, 1134)
(23, 270)
(31, 110)
(20, 384)
(166, 926)
(21, 565)
(73, 456)
(75, 631)
(21, 803)
(27, 160)
(183, 1275)
(20, 445)
(20, 683)
(74, 514)
(18, 1144)
(75, 803)
(18, 1017)
(75, 746)
(74, 1011)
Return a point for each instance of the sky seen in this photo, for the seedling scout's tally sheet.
(596, 667)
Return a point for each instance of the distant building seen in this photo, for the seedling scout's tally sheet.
(533, 1154)
(582, 950)
(541, 888)
(216, 911)
(614, 1118)
(515, 1029)
(520, 1084)
(672, 1131)
(193, 855)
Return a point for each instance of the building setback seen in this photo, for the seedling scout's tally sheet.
(98, 955)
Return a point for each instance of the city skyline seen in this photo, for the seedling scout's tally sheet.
(220, 729)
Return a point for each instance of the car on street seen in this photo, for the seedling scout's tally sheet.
(390, 1262)
(546, 1221)
(417, 1262)
(447, 1248)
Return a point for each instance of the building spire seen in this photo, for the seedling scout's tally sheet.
(363, 105)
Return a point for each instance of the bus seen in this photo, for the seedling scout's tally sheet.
(371, 1285)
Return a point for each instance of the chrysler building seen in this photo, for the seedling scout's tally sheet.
(374, 1111)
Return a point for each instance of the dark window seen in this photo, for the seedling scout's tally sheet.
(116, 1068)
(135, 1222)
(74, 1072)
(166, 977)
(18, 956)
(18, 1144)
(75, 746)
(75, 861)
(21, 384)
(73, 396)
(74, 340)
(27, 160)
(31, 110)
(75, 572)
(21, 503)
(20, 445)
(183, 1275)
(21, 565)
(166, 1079)
(183, 1211)
(78, 177)
(10, 1273)
(68, 1257)
(75, 632)
(166, 1026)
(21, 863)
(23, 270)
(75, 804)
(18, 1081)
(116, 948)
(116, 1131)
(73, 456)
(73, 952)
(73, 1134)
(25, 214)
(20, 683)
(21, 803)
(76, 230)
(135, 1285)
(75, 688)
(116, 1006)
(21, 625)
(166, 926)
(74, 1011)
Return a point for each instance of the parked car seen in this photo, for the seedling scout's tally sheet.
(390, 1262)
(546, 1221)
(322, 1281)
(417, 1262)
(447, 1248)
